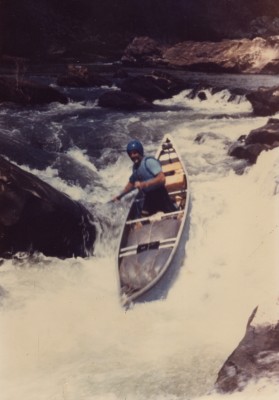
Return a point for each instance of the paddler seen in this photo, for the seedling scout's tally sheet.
(148, 177)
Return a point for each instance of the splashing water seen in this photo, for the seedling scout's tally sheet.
(63, 332)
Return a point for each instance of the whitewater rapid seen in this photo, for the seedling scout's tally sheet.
(63, 333)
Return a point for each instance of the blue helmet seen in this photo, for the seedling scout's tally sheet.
(135, 145)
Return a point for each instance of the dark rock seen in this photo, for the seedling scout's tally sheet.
(255, 357)
(80, 76)
(28, 93)
(144, 86)
(265, 101)
(250, 146)
(202, 96)
(242, 138)
(247, 152)
(267, 134)
(154, 86)
(235, 93)
(258, 55)
(124, 101)
(143, 51)
(194, 93)
(271, 68)
(34, 217)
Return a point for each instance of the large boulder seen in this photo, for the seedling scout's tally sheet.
(28, 93)
(154, 86)
(247, 152)
(258, 55)
(255, 357)
(267, 134)
(36, 217)
(138, 92)
(265, 101)
(264, 138)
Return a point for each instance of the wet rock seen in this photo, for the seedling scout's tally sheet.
(144, 86)
(247, 152)
(80, 76)
(124, 101)
(154, 86)
(264, 138)
(28, 93)
(34, 217)
(255, 357)
(265, 101)
(195, 91)
(258, 55)
(267, 134)
(202, 96)
(143, 51)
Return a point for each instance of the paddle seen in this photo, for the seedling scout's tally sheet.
(119, 197)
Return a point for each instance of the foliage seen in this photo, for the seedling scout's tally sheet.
(33, 28)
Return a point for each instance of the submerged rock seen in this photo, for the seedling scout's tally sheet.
(35, 217)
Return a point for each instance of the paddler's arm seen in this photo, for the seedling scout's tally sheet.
(159, 179)
(128, 188)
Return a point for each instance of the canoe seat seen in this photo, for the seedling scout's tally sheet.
(176, 181)
(174, 174)
(175, 166)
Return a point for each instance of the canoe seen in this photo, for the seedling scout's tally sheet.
(148, 244)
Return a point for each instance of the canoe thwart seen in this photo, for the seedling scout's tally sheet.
(148, 246)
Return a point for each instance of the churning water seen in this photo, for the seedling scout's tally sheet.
(63, 333)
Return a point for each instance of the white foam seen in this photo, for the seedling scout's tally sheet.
(63, 332)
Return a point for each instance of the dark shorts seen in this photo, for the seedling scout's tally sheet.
(158, 200)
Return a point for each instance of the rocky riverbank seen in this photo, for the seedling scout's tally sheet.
(249, 56)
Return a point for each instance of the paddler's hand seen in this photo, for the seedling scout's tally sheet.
(119, 197)
(140, 185)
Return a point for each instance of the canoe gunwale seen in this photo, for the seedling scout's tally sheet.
(129, 297)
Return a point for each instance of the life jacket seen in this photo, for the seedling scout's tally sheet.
(144, 173)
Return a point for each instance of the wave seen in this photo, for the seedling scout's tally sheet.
(64, 333)
(208, 100)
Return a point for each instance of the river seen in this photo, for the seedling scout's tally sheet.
(63, 333)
